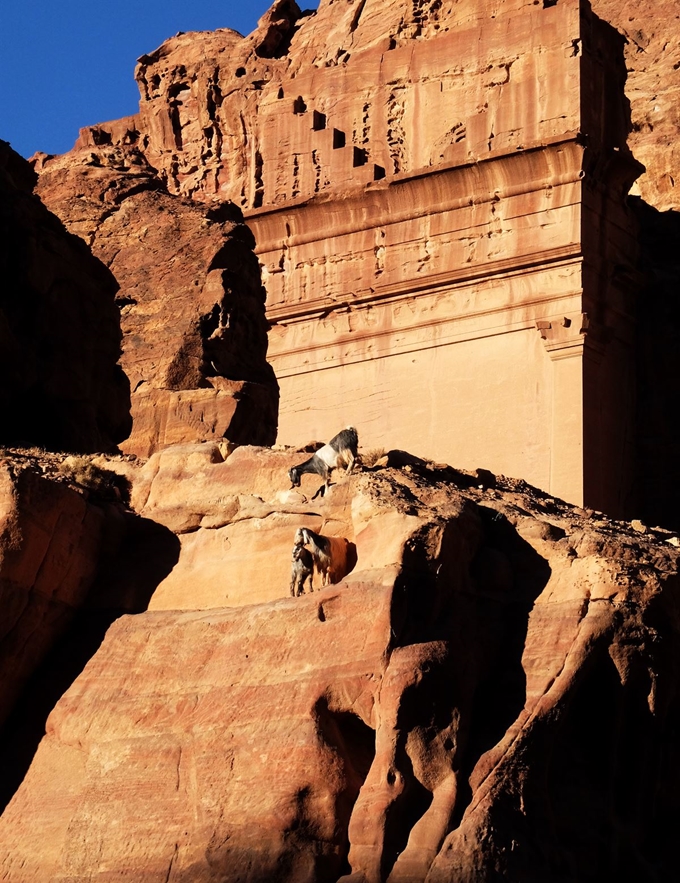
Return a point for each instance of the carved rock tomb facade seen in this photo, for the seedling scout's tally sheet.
(447, 250)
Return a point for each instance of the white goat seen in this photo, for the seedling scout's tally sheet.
(341, 450)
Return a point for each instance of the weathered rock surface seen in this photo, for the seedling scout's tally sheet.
(652, 31)
(192, 304)
(72, 559)
(431, 186)
(236, 520)
(62, 386)
(489, 694)
(201, 93)
(50, 544)
(62, 520)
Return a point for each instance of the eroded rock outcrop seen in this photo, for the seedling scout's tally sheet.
(489, 692)
(652, 32)
(61, 518)
(62, 386)
(73, 558)
(191, 300)
(200, 92)
(50, 543)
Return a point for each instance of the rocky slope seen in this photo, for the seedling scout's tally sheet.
(489, 692)
(62, 386)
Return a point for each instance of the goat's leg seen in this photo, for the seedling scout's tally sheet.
(326, 475)
(350, 465)
(292, 585)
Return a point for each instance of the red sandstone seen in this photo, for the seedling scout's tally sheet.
(431, 187)
(419, 720)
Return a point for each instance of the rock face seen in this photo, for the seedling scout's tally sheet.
(430, 187)
(489, 693)
(62, 520)
(434, 186)
(192, 304)
(652, 34)
(62, 386)
(202, 93)
(50, 544)
(73, 558)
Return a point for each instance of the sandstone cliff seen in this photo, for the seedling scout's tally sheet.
(328, 130)
(191, 300)
(490, 691)
(203, 94)
(62, 386)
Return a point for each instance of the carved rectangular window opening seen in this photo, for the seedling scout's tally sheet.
(319, 121)
(378, 173)
(338, 139)
(360, 157)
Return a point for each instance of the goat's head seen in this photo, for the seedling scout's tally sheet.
(294, 476)
(299, 537)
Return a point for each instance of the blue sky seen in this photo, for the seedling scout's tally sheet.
(70, 63)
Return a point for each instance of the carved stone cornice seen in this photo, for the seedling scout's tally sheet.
(568, 337)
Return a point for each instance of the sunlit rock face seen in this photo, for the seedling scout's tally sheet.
(488, 687)
(438, 190)
(62, 386)
(191, 300)
(486, 690)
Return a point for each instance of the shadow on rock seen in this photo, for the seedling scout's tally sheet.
(454, 685)
(139, 555)
(658, 360)
(508, 575)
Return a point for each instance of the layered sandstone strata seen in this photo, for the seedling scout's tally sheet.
(62, 386)
(432, 187)
(486, 694)
(191, 300)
